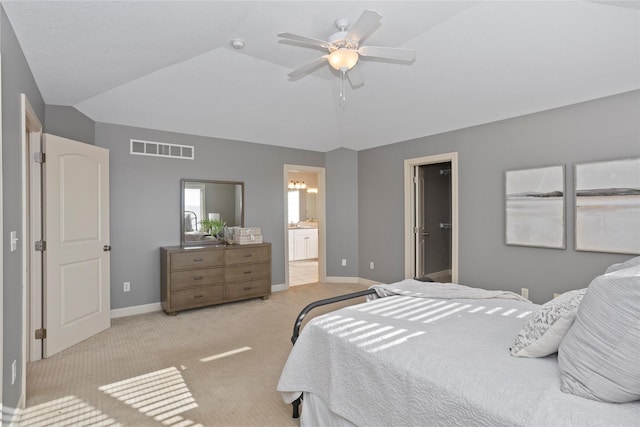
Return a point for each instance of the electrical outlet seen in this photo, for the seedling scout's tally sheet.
(13, 372)
(126, 286)
(344, 262)
(371, 265)
(524, 292)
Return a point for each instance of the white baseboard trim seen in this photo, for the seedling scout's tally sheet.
(136, 309)
(10, 416)
(359, 280)
(279, 288)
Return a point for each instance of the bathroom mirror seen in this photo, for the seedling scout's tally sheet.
(209, 200)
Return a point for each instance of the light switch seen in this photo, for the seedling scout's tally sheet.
(14, 241)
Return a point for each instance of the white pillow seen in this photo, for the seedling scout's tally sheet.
(541, 335)
(600, 357)
(622, 265)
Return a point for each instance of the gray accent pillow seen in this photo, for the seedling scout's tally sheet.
(622, 265)
(599, 358)
(541, 334)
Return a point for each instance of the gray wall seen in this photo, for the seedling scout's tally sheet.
(145, 200)
(597, 130)
(16, 79)
(69, 123)
(341, 176)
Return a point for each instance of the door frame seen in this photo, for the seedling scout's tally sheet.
(1, 250)
(31, 132)
(410, 209)
(321, 205)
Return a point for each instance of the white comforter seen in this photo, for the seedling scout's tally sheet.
(403, 360)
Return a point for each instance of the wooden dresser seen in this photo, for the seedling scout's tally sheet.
(205, 275)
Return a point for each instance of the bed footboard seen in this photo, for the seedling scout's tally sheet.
(303, 313)
(319, 303)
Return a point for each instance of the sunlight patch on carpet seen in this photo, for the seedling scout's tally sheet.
(162, 395)
(66, 411)
(226, 354)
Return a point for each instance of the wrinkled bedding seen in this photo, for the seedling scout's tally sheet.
(416, 288)
(402, 360)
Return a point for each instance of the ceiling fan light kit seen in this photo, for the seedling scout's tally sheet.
(345, 50)
(343, 59)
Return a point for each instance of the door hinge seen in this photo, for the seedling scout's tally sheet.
(39, 157)
(415, 179)
(41, 334)
(41, 245)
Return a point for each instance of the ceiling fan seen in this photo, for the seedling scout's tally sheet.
(345, 50)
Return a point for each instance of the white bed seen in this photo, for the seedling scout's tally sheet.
(424, 361)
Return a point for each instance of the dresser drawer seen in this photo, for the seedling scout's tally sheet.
(196, 297)
(247, 289)
(246, 272)
(200, 259)
(247, 255)
(200, 277)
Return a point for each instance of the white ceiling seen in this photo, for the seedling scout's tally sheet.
(170, 66)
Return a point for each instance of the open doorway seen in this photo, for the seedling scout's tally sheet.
(433, 214)
(304, 212)
(431, 218)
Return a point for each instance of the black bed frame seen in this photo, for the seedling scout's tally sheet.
(301, 316)
(296, 326)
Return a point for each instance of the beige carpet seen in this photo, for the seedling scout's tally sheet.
(216, 366)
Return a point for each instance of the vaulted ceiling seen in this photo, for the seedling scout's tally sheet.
(170, 65)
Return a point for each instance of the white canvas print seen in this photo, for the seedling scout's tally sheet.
(608, 206)
(535, 207)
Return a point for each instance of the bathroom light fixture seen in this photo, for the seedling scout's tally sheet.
(297, 185)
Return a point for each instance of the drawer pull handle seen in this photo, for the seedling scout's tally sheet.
(248, 288)
(248, 255)
(247, 272)
(198, 260)
(198, 296)
(198, 278)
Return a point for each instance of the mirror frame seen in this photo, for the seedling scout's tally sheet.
(183, 183)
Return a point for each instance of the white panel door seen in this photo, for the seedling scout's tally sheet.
(76, 211)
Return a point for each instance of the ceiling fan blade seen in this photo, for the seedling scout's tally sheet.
(305, 39)
(388, 53)
(307, 68)
(364, 26)
(355, 77)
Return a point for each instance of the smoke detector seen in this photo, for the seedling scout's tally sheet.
(237, 43)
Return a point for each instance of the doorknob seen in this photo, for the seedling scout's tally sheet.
(106, 248)
(426, 234)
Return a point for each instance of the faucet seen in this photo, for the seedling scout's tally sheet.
(195, 216)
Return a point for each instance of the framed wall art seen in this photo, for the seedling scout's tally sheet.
(535, 207)
(607, 212)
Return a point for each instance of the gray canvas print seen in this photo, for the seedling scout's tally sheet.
(608, 206)
(535, 208)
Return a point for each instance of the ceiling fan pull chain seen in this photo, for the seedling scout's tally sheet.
(343, 75)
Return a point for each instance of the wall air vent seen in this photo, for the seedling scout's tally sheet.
(161, 149)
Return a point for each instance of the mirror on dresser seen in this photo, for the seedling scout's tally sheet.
(209, 200)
